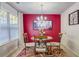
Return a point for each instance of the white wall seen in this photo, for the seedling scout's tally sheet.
(71, 33)
(12, 46)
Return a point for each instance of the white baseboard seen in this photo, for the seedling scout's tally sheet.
(68, 50)
(11, 52)
(15, 53)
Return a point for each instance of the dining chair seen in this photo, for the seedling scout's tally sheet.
(25, 35)
(57, 48)
(40, 46)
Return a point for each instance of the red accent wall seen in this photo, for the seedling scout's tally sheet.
(28, 26)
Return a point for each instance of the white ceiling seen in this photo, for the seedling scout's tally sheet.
(35, 7)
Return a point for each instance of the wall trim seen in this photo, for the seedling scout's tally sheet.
(11, 52)
(16, 52)
(68, 49)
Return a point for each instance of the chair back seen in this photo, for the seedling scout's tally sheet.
(60, 36)
(25, 37)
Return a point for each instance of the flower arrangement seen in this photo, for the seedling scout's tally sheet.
(41, 32)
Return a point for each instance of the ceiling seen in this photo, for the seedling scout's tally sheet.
(35, 7)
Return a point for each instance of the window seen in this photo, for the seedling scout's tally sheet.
(8, 27)
(13, 27)
(4, 34)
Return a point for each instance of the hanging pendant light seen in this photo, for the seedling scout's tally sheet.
(41, 19)
(42, 13)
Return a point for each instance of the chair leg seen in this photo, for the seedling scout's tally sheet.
(25, 48)
(59, 49)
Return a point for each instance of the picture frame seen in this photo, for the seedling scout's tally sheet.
(46, 25)
(74, 18)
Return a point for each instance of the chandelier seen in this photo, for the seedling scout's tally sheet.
(42, 17)
(42, 22)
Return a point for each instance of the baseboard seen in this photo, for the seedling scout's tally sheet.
(15, 53)
(8, 55)
(70, 51)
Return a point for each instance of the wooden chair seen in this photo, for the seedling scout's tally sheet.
(58, 49)
(40, 47)
(25, 40)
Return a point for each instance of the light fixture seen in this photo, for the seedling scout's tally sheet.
(42, 17)
(41, 22)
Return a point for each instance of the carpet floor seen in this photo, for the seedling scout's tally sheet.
(30, 53)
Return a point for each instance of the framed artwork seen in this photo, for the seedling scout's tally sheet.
(74, 18)
(47, 25)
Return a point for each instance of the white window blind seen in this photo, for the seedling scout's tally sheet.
(13, 27)
(8, 27)
(4, 34)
